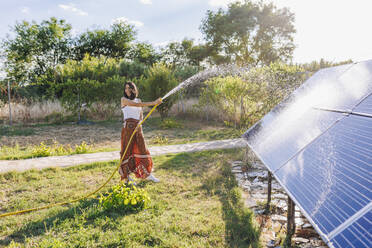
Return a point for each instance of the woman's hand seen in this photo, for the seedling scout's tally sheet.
(158, 101)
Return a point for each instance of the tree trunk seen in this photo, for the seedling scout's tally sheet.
(10, 109)
(79, 107)
(241, 109)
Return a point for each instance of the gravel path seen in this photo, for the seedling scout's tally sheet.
(71, 160)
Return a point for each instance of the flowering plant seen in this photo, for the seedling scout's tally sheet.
(125, 197)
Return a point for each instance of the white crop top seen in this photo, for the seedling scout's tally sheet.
(132, 111)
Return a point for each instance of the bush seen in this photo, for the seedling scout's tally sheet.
(170, 123)
(88, 81)
(160, 80)
(237, 100)
(125, 197)
(41, 151)
(245, 100)
(83, 148)
(57, 149)
(161, 140)
(236, 195)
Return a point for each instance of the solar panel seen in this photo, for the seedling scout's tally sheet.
(357, 235)
(294, 122)
(365, 107)
(282, 137)
(347, 89)
(322, 156)
(330, 180)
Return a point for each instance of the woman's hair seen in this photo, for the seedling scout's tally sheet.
(134, 90)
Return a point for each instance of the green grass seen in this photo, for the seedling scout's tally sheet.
(196, 204)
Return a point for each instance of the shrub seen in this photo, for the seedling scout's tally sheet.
(160, 80)
(125, 197)
(160, 140)
(83, 148)
(235, 195)
(170, 123)
(41, 151)
(246, 99)
(88, 81)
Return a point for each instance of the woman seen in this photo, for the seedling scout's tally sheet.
(137, 159)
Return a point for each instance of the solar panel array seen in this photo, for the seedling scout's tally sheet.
(318, 145)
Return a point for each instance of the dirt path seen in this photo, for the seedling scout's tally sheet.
(71, 160)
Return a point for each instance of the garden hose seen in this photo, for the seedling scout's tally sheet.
(92, 193)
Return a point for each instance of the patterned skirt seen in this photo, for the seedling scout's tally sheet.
(137, 160)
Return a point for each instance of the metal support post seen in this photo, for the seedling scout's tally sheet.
(269, 180)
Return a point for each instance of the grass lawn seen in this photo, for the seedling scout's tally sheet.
(20, 142)
(196, 204)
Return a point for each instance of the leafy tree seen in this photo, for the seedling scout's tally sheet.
(184, 53)
(112, 43)
(160, 80)
(36, 49)
(144, 53)
(249, 33)
(132, 69)
(182, 73)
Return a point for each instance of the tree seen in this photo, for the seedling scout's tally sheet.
(184, 53)
(144, 53)
(113, 43)
(36, 49)
(249, 33)
(132, 69)
(160, 80)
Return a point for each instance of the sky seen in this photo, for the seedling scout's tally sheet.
(335, 30)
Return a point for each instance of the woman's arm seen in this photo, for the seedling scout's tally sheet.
(127, 102)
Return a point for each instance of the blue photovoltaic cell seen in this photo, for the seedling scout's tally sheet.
(331, 178)
(365, 106)
(281, 140)
(356, 235)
